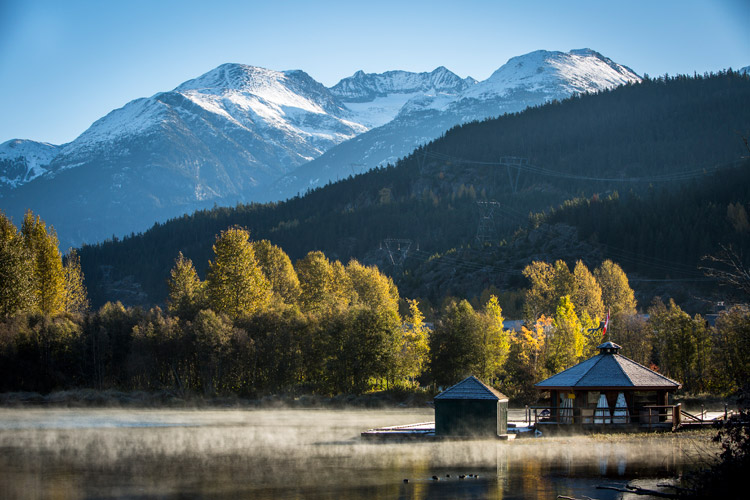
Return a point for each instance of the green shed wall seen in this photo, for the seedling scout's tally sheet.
(461, 417)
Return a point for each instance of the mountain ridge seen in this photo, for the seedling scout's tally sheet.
(227, 136)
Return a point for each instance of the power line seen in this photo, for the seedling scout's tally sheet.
(527, 167)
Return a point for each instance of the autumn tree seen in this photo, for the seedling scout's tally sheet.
(235, 284)
(16, 271)
(541, 294)
(415, 348)
(278, 270)
(733, 344)
(563, 281)
(635, 337)
(372, 288)
(186, 291)
(587, 294)
(76, 298)
(677, 337)
(565, 342)
(325, 287)
(495, 341)
(526, 362)
(617, 295)
(49, 277)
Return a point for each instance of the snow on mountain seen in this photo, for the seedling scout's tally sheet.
(745, 70)
(241, 133)
(22, 161)
(555, 74)
(255, 100)
(211, 140)
(376, 98)
(527, 80)
(363, 87)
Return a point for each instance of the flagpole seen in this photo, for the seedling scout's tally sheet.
(606, 325)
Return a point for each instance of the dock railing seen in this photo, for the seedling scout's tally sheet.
(650, 416)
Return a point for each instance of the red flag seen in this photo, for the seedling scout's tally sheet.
(606, 324)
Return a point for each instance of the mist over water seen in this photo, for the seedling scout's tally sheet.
(307, 454)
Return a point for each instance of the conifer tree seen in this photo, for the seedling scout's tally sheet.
(186, 291)
(76, 298)
(235, 284)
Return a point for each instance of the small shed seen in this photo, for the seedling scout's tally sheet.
(470, 408)
(609, 389)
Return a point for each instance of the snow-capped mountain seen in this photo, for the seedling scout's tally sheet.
(288, 116)
(745, 70)
(376, 98)
(524, 81)
(22, 161)
(210, 140)
(240, 133)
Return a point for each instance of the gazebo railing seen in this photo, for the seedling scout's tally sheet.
(650, 416)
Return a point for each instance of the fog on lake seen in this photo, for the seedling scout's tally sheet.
(310, 453)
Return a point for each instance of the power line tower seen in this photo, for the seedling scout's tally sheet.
(486, 232)
(514, 164)
(398, 250)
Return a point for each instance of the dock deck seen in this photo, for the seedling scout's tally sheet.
(426, 431)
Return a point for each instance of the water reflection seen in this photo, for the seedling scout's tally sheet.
(302, 454)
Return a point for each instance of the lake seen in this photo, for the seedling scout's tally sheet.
(310, 453)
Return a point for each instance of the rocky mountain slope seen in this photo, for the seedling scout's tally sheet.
(240, 133)
(529, 80)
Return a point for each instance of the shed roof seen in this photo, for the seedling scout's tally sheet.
(471, 388)
(608, 369)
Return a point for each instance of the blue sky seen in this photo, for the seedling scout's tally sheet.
(64, 64)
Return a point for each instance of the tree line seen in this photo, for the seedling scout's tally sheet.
(258, 324)
(564, 319)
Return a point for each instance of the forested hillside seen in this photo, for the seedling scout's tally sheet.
(653, 143)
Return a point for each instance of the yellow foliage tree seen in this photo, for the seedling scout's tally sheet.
(235, 284)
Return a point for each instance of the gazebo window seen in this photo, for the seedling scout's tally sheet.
(592, 398)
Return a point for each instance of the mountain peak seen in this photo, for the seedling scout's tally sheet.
(366, 87)
(559, 74)
(23, 160)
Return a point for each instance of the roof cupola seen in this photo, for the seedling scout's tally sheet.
(608, 348)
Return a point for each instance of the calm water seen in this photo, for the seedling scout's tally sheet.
(279, 454)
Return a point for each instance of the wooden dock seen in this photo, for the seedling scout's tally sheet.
(422, 430)
(425, 431)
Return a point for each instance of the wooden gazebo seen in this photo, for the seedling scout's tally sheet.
(606, 391)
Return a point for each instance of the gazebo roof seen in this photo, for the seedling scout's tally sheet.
(608, 369)
(471, 388)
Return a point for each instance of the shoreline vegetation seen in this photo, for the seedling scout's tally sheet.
(168, 399)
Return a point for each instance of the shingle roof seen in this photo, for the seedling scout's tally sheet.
(608, 370)
(471, 388)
